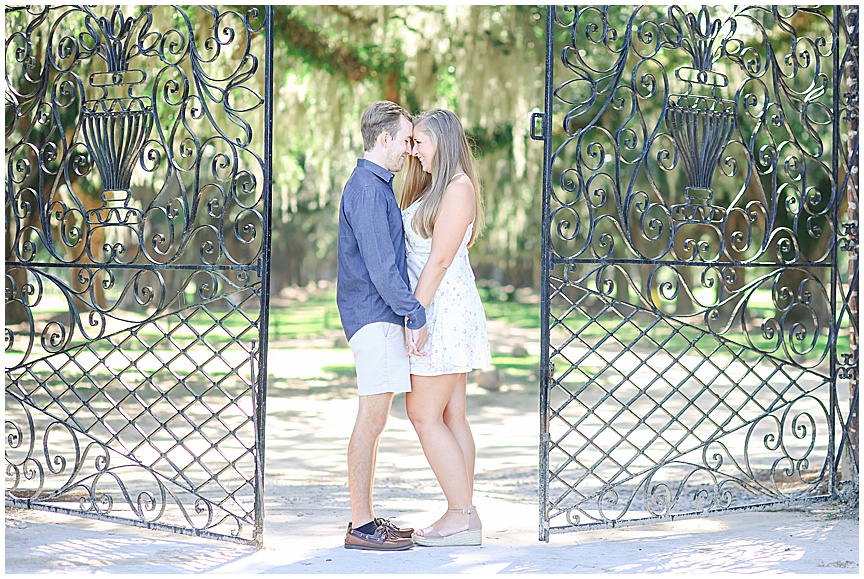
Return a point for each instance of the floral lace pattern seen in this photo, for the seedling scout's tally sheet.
(455, 317)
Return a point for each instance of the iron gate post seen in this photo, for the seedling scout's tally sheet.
(545, 260)
(835, 212)
(264, 272)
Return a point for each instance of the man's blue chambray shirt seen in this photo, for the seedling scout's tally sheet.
(372, 280)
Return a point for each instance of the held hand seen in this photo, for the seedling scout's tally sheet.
(415, 340)
(409, 342)
(420, 338)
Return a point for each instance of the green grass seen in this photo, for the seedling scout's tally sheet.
(314, 314)
(340, 370)
(318, 313)
(522, 367)
(303, 320)
(519, 314)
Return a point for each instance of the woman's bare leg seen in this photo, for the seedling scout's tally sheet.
(425, 404)
(456, 419)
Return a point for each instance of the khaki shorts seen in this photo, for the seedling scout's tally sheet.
(381, 359)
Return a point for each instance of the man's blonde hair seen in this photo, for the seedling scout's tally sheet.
(380, 117)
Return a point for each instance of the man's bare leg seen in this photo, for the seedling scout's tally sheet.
(372, 412)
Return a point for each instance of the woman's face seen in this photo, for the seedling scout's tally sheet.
(423, 149)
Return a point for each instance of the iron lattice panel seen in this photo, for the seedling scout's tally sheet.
(700, 259)
(137, 265)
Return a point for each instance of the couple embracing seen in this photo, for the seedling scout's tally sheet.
(411, 312)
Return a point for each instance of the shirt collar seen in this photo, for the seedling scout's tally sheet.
(377, 169)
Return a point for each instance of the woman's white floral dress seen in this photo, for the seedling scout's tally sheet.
(456, 321)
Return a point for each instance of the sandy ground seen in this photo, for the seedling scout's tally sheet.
(306, 507)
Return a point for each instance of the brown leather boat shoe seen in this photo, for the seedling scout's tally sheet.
(383, 539)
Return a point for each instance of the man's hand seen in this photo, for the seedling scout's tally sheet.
(416, 340)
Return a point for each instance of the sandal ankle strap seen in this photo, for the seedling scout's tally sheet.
(467, 511)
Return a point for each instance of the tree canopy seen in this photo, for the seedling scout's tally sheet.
(483, 62)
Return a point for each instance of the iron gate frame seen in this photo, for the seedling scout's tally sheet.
(842, 367)
(118, 140)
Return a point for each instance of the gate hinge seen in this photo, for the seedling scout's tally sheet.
(545, 437)
(533, 130)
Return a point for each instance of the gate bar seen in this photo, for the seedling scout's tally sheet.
(835, 265)
(260, 397)
(545, 260)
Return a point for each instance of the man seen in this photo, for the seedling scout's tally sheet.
(374, 299)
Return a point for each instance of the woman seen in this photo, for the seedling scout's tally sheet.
(442, 214)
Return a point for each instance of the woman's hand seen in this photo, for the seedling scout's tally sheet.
(415, 340)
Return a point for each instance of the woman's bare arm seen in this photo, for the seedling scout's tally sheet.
(457, 213)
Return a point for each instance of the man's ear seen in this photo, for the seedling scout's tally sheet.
(384, 138)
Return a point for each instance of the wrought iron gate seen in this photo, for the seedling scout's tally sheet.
(700, 261)
(137, 264)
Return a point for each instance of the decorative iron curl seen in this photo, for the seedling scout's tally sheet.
(204, 95)
(87, 471)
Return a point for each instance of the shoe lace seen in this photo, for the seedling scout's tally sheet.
(390, 530)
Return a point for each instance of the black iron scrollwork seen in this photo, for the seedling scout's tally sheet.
(136, 194)
(181, 128)
(698, 292)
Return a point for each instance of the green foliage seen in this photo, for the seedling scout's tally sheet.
(448, 86)
(484, 63)
(497, 138)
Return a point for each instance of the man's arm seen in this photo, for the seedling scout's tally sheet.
(366, 212)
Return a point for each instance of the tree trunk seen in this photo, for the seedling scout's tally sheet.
(391, 87)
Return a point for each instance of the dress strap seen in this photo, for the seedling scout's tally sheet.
(457, 175)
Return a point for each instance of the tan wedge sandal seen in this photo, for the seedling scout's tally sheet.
(472, 536)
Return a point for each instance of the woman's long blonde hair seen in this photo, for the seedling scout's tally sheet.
(451, 153)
